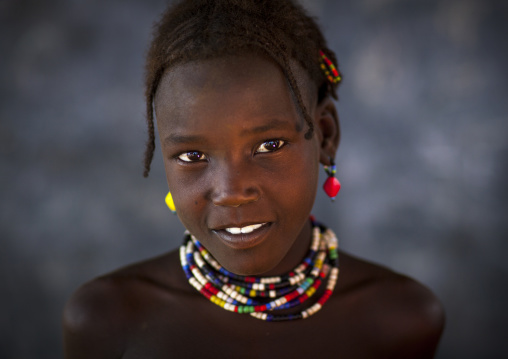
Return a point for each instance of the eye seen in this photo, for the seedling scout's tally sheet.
(192, 156)
(270, 146)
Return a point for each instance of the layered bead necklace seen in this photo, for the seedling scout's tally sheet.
(262, 297)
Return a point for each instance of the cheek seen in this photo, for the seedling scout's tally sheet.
(186, 193)
(295, 184)
(191, 210)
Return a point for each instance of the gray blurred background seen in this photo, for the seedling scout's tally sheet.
(423, 158)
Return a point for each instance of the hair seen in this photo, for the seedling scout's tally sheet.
(202, 29)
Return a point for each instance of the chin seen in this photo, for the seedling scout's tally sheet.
(249, 267)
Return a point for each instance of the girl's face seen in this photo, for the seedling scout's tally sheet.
(242, 175)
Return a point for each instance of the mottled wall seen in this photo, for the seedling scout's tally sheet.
(423, 159)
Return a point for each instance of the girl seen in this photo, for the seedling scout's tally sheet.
(243, 96)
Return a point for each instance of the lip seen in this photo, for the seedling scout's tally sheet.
(243, 240)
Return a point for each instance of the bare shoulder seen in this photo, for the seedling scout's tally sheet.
(408, 318)
(104, 313)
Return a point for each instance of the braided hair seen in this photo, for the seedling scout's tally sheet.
(202, 29)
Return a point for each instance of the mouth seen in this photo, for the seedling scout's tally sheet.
(244, 230)
(243, 237)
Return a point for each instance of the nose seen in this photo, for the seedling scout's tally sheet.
(234, 185)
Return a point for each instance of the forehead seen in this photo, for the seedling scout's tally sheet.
(250, 80)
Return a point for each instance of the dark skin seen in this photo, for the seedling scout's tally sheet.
(224, 172)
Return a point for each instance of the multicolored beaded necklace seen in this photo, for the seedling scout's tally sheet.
(261, 297)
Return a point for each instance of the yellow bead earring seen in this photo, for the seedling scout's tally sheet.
(170, 202)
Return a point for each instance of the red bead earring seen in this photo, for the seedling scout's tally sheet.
(332, 184)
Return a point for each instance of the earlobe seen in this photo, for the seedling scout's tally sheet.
(327, 122)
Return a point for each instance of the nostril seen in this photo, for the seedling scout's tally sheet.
(231, 205)
(229, 200)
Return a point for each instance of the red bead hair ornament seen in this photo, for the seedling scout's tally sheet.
(332, 184)
(329, 69)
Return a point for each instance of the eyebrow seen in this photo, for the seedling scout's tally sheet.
(274, 124)
(175, 138)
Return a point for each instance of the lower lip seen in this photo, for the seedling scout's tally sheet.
(244, 240)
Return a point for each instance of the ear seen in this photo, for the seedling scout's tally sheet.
(326, 123)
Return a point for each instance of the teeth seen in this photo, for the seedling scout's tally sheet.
(243, 230)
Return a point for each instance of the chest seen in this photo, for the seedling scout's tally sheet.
(203, 330)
